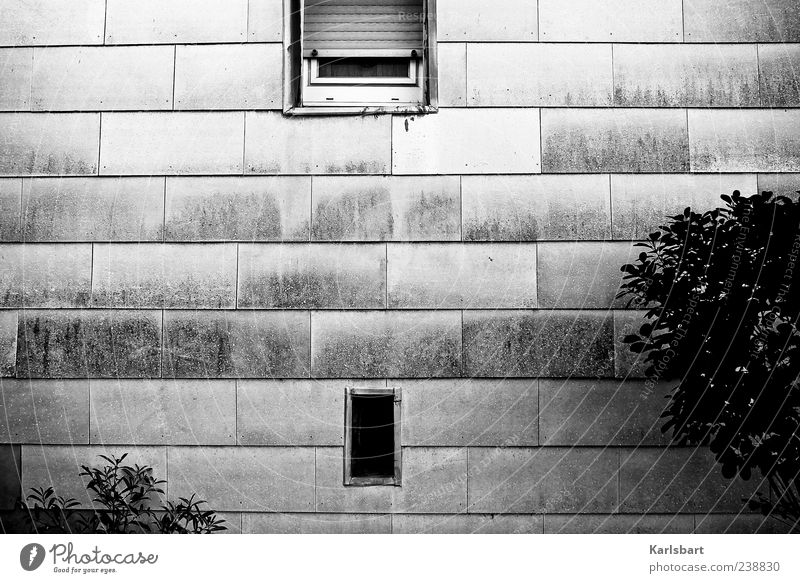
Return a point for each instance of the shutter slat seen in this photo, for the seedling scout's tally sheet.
(348, 28)
(347, 25)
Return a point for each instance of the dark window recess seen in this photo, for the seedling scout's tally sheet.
(372, 436)
(331, 68)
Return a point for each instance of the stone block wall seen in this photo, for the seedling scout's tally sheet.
(189, 276)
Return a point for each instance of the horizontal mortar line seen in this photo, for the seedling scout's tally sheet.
(315, 380)
(440, 40)
(365, 242)
(142, 44)
(476, 175)
(143, 111)
(328, 242)
(787, 108)
(600, 447)
(709, 43)
(183, 309)
(443, 175)
(554, 107)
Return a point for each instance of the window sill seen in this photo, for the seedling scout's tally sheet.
(300, 111)
(362, 482)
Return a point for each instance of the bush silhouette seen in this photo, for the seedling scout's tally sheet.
(722, 294)
(127, 500)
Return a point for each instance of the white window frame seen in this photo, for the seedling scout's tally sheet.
(361, 91)
(306, 95)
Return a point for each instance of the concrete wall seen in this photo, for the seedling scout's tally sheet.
(189, 276)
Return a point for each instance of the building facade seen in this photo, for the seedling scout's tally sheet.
(191, 276)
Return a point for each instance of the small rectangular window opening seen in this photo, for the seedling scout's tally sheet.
(372, 437)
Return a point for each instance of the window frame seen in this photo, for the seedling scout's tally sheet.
(294, 67)
(354, 91)
(348, 478)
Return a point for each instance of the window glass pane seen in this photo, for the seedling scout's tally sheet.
(372, 449)
(363, 67)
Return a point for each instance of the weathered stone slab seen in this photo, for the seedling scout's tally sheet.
(467, 524)
(86, 344)
(386, 208)
(16, 66)
(614, 140)
(642, 202)
(373, 344)
(245, 209)
(10, 476)
(177, 21)
(312, 276)
(469, 412)
(474, 20)
(582, 275)
(285, 412)
(452, 58)
(531, 208)
(229, 76)
(228, 344)
(251, 479)
(44, 411)
(611, 20)
(275, 144)
(39, 276)
(551, 480)
(680, 480)
(102, 78)
(155, 412)
(554, 74)
(93, 209)
(686, 75)
(10, 208)
(451, 275)
(741, 21)
(146, 143)
(265, 21)
(618, 524)
(434, 481)
(8, 343)
(739, 524)
(778, 67)
(36, 143)
(52, 22)
(164, 275)
(467, 141)
(601, 413)
(316, 523)
(772, 141)
(522, 343)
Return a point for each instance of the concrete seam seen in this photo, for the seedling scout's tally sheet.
(761, 96)
(100, 144)
(164, 216)
(105, 22)
(21, 209)
(174, 73)
(244, 143)
(611, 208)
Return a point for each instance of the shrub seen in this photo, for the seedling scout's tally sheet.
(127, 501)
(722, 299)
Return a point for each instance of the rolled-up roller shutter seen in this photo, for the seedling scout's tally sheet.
(363, 27)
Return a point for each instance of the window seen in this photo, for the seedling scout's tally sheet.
(372, 437)
(360, 56)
